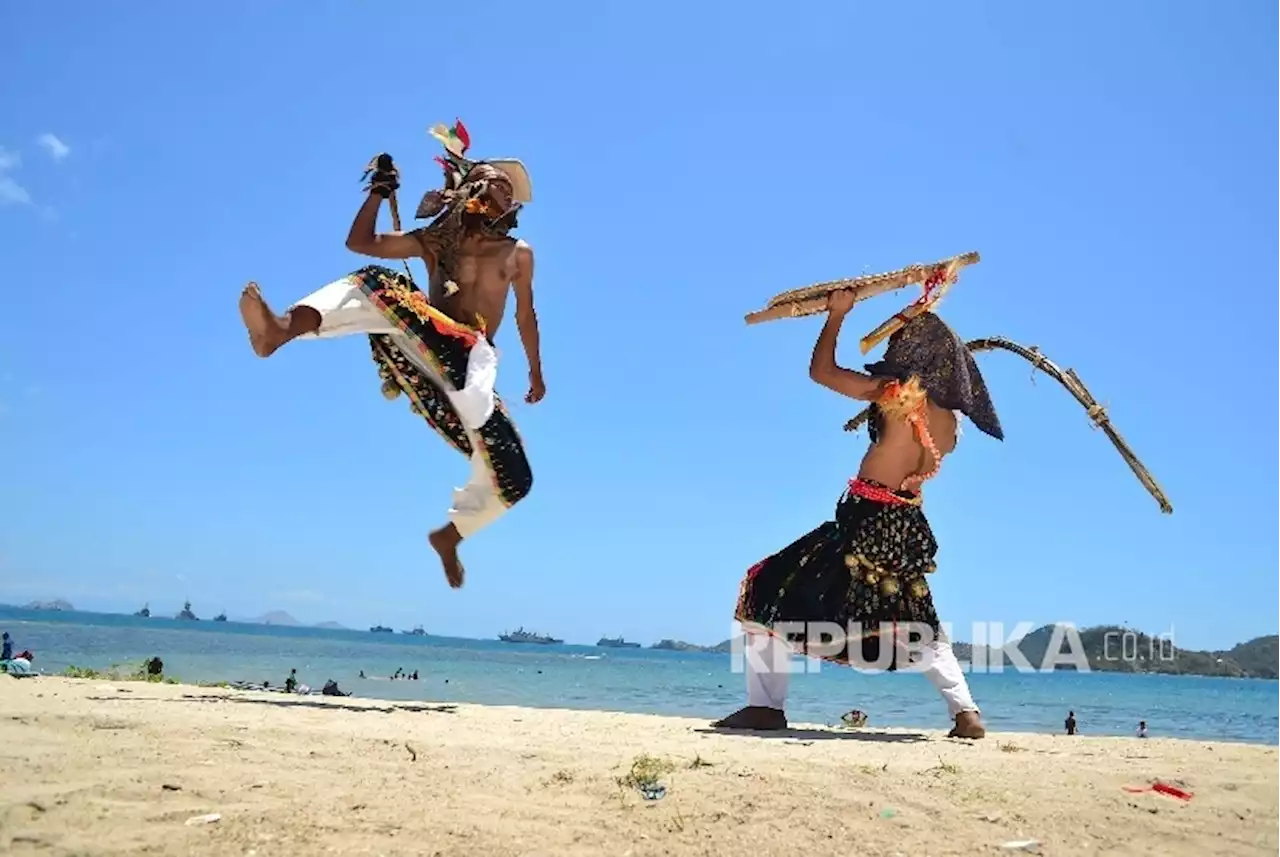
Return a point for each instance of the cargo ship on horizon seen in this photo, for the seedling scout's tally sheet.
(616, 643)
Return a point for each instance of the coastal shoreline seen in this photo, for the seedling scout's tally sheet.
(100, 767)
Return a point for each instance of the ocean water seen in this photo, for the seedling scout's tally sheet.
(636, 680)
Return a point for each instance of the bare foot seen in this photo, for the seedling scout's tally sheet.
(968, 725)
(266, 332)
(445, 541)
(756, 718)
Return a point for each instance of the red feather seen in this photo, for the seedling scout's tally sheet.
(442, 162)
(461, 131)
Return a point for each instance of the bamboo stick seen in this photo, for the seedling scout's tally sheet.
(812, 300)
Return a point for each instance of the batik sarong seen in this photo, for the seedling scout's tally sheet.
(447, 369)
(864, 571)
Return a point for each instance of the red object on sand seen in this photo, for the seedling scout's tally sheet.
(1172, 791)
(1162, 788)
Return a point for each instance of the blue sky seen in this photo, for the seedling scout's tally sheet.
(1115, 164)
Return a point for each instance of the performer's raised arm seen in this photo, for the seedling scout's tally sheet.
(527, 321)
(364, 237)
(823, 367)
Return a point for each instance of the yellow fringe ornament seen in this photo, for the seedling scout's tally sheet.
(900, 400)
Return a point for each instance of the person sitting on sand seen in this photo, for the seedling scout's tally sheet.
(291, 683)
(1071, 723)
(331, 689)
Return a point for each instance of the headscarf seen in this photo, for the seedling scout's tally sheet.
(469, 186)
(929, 350)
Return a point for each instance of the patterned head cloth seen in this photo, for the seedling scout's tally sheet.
(926, 348)
(496, 188)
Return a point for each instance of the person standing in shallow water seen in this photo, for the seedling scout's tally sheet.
(1071, 723)
(865, 571)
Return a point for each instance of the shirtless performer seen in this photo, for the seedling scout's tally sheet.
(439, 351)
(869, 565)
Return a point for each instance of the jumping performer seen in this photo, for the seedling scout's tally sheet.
(437, 348)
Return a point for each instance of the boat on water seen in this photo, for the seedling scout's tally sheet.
(520, 635)
(221, 617)
(145, 612)
(416, 632)
(380, 629)
(616, 643)
(186, 613)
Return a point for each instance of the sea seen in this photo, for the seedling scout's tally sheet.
(647, 681)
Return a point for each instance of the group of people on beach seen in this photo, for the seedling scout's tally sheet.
(291, 685)
(867, 568)
(19, 664)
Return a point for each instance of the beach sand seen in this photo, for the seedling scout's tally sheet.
(91, 767)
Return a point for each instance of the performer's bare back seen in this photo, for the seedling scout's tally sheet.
(898, 453)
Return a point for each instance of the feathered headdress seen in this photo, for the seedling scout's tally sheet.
(458, 171)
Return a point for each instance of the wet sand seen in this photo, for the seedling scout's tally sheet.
(92, 767)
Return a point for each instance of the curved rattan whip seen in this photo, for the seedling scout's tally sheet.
(1069, 379)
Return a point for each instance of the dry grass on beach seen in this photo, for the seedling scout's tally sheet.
(91, 767)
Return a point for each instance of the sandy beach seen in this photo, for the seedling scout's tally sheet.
(91, 767)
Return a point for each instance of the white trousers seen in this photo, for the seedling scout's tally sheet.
(345, 310)
(768, 662)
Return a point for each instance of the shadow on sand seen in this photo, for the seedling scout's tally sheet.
(802, 735)
(329, 702)
(317, 701)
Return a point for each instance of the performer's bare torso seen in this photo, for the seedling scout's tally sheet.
(483, 272)
(899, 454)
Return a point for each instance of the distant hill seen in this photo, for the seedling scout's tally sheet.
(1113, 648)
(331, 626)
(275, 617)
(55, 604)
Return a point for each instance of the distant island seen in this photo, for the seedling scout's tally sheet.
(1108, 648)
(1113, 648)
(55, 604)
(275, 617)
